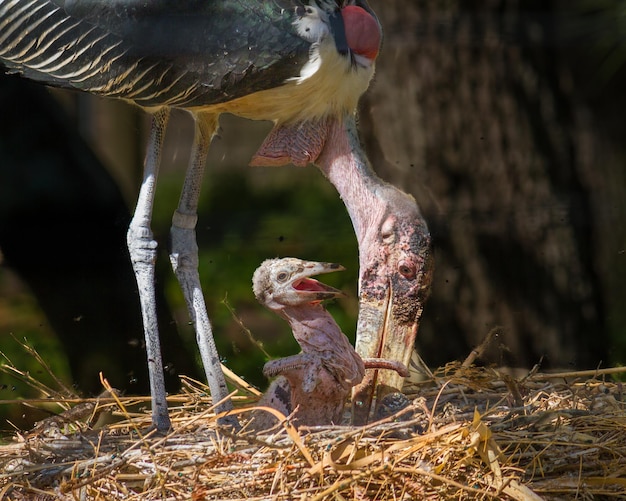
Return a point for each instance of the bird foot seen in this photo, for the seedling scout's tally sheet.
(289, 364)
(300, 144)
(392, 365)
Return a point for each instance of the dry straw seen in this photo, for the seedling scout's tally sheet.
(468, 433)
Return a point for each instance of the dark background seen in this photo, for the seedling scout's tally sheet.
(504, 119)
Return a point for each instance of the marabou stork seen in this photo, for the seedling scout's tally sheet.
(301, 64)
(315, 383)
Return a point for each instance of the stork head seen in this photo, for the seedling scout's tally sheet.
(395, 259)
(394, 282)
(279, 283)
(350, 24)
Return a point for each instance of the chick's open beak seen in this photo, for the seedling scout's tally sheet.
(312, 290)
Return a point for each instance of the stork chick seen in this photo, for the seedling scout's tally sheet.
(316, 382)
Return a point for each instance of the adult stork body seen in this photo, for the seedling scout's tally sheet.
(304, 66)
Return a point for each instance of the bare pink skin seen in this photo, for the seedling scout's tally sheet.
(316, 382)
(395, 260)
(300, 144)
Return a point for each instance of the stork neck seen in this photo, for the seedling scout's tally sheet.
(346, 166)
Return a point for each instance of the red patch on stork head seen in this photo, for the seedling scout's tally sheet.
(362, 31)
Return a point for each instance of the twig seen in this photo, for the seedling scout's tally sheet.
(593, 373)
(246, 331)
(479, 350)
(44, 365)
(239, 382)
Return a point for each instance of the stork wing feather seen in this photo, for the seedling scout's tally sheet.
(182, 53)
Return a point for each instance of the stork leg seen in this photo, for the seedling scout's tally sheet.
(143, 249)
(184, 259)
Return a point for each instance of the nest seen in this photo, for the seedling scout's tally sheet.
(467, 433)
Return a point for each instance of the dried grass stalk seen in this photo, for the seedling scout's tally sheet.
(469, 433)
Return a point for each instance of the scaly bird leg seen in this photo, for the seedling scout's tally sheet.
(184, 259)
(307, 364)
(292, 362)
(143, 249)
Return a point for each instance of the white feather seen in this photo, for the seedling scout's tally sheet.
(313, 25)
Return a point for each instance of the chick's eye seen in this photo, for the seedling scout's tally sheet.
(282, 276)
(407, 270)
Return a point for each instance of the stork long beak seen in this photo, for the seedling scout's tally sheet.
(393, 291)
(382, 333)
(396, 265)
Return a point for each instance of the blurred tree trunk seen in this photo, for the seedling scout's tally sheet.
(472, 113)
